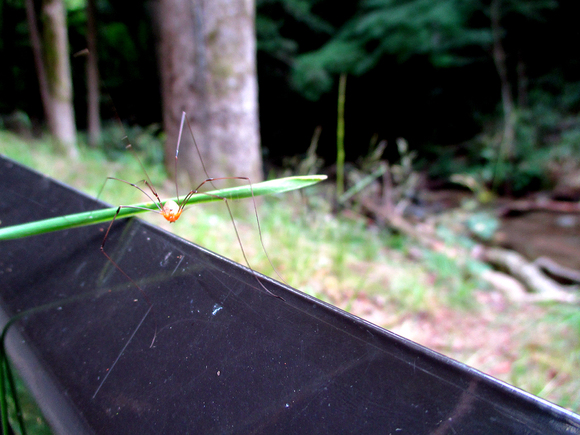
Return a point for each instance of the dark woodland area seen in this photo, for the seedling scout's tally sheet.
(429, 73)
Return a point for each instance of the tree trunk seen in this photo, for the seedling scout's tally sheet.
(36, 46)
(208, 69)
(53, 69)
(93, 115)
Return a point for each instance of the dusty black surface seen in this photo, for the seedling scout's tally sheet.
(228, 358)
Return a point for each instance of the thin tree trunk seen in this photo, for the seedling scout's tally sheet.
(522, 84)
(93, 115)
(232, 91)
(53, 69)
(37, 54)
(499, 58)
(208, 69)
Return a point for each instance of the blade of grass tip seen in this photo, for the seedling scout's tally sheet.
(7, 384)
(270, 187)
(3, 392)
(340, 153)
(14, 394)
(3, 382)
(6, 375)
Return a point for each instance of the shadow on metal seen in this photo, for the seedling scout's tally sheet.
(228, 357)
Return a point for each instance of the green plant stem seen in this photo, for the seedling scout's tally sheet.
(270, 187)
(340, 155)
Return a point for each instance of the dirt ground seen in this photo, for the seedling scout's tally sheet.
(516, 343)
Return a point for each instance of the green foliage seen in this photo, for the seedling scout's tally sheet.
(147, 141)
(547, 364)
(553, 121)
(528, 9)
(33, 421)
(401, 28)
(313, 72)
(270, 39)
(75, 5)
(525, 171)
(118, 36)
(298, 10)
(454, 277)
(547, 146)
(273, 18)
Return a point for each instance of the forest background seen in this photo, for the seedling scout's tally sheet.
(477, 95)
(429, 73)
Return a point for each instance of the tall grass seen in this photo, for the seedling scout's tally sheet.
(340, 154)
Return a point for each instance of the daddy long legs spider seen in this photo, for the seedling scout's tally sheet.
(172, 210)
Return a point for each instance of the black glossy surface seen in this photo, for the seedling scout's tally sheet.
(228, 358)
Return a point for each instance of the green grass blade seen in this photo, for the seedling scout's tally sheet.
(340, 153)
(270, 187)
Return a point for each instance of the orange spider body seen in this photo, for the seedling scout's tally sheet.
(171, 211)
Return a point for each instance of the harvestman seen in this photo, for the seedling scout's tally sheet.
(172, 210)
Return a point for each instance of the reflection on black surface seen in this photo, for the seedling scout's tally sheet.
(228, 357)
